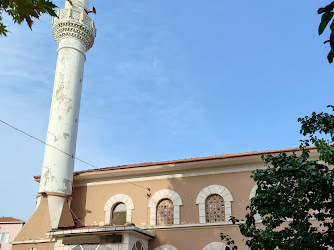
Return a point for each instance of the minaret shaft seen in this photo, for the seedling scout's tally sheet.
(74, 31)
(57, 174)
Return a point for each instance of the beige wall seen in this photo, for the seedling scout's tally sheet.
(92, 190)
(89, 201)
(195, 238)
(37, 225)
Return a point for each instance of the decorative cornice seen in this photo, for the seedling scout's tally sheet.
(195, 172)
(233, 157)
(75, 24)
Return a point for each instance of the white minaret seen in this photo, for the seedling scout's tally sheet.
(74, 31)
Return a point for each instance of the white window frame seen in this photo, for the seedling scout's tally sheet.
(165, 247)
(252, 194)
(113, 201)
(216, 246)
(97, 246)
(142, 245)
(7, 234)
(214, 189)
(161, 195)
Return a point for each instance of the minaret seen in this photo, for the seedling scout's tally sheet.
(74, 31)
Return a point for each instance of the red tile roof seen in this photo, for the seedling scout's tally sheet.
(215, 157)
(10, 220)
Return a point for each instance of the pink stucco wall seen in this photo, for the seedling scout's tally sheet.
(13, 230)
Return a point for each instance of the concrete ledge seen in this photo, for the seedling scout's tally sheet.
(33, 241)
(84, 231)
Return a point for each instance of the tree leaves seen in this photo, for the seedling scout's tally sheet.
(229, 241)
(327, 16)
(25, 10)
(291, 188)
(330, 56)
(328, 8)
(294, 194)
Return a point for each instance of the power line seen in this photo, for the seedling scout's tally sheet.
(72, 156)
(39, 140)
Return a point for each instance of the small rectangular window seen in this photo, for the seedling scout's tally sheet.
(4, 237)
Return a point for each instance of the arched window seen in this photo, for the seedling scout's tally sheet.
(216, 246)
(91, 247)
(165, 247)
(165, 213)
(252, 194)
(119, 214)
(138, 246)
(111, 205)
(165, 194)
(214, 208)
(203, 198)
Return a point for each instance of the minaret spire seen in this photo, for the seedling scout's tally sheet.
(74, 31)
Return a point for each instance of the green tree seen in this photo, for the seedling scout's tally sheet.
(24, 10)
(295, 194)
(327, 15)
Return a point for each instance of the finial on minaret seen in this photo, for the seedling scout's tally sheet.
(93, 10)
(83, 4)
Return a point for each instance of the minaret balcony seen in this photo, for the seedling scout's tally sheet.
(76, 24)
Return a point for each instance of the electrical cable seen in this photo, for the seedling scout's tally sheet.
(72, 156)
(39, 140)
(75, 215)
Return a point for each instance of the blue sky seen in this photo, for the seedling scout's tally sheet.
(166, 80)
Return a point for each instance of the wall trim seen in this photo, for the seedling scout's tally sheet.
(170, 176)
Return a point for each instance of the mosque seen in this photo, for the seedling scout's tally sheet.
(181, 204)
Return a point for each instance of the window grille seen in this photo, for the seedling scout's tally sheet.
(165, 213)
(214, 208)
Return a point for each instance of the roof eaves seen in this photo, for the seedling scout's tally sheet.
(188, 160)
